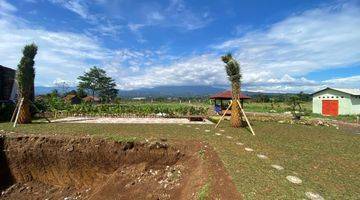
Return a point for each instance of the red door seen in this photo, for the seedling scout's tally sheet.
(330, 107)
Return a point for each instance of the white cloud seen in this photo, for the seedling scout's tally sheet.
(77, 6)
(6, 7)
(274, 59)
(314, 40)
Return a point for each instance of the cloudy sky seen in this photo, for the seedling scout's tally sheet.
(283, 46)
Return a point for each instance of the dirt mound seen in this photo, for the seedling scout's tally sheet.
(86, 168)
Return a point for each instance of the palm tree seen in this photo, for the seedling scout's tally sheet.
(25, 79)
(233, 71)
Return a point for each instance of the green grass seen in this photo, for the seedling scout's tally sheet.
(204, 192)
(279, 107)
(326, 159)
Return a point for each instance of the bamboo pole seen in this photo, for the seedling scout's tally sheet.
(242, 110)
(224, 114)
(15, 111)
(18, 111)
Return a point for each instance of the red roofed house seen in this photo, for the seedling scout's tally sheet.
(222, 100)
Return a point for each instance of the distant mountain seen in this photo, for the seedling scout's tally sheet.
(39, 90)
(172, 91)
(162, 91)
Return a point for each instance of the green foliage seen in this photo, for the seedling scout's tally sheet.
(232, 68)
(81, 93)
(96, 81)
(26, 71)
(53, 103)
(6, 110)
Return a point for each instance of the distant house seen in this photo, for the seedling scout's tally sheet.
(139, 98)
(89, 99)
(72, 98)
(8, 87)
(222, 99)
(336, 101)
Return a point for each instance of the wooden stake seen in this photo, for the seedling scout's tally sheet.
(252, 131)
(224, 114)
(18, 111)
(14, 113)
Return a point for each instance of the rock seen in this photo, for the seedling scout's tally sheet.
(294, 179)
(278, 167)
(313, 196)
(70, 149)
(249, 149)
(262, 156)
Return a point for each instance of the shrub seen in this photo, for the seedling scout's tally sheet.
(6, 110)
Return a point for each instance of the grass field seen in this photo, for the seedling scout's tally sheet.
(278, 107)
(327, 160)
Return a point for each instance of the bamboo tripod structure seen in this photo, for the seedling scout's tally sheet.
(242, 111)
(17, 109)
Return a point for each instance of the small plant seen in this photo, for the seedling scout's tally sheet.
(204, 192)
(202, 153)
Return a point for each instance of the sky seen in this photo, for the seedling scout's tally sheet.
(282, 46)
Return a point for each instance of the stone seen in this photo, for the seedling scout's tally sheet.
(217, 134)
(248, 149)
(207, 131)
(261, 156)
(278, 167)
(294, 179)
(239, 143)
(313, 196)
(229, 137)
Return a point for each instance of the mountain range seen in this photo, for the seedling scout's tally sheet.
(162, 91)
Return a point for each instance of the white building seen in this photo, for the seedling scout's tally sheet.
(336, 101)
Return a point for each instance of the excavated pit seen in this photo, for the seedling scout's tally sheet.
(39, 167)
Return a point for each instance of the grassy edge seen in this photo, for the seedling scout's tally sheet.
(204, 192)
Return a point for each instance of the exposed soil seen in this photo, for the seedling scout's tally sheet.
(48, 167)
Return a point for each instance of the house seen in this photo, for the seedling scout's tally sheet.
(336, 101)
(89, 99)
(222, 100)
(8, 86)
(72, 98)
(139, 98)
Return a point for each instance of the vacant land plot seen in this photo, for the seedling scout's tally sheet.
(281, 162)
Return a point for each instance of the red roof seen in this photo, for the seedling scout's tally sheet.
(227, 95)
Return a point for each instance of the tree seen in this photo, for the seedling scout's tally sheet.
(233, 71)
(25, 78)
(97, 82)
(81, 93)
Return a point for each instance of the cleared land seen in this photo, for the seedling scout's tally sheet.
(327, 160)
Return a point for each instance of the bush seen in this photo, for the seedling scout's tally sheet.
(6, 110)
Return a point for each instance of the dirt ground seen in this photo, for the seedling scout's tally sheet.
(50, 167)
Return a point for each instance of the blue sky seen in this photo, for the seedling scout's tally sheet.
(283, 46)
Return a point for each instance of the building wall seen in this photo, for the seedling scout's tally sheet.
(355, 101)
(348, 104)
(7, 77)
